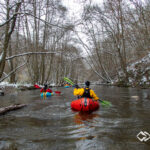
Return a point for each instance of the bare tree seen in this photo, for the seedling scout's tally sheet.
(8, 31)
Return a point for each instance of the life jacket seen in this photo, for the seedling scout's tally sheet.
(43, 90)
(49, 90)
(86, 93)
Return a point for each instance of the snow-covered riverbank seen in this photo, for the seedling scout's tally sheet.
(10, 88)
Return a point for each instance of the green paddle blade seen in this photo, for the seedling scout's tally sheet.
(105, 103)
(68, 80)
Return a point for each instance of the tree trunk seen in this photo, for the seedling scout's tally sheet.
(13, 75)
(4, 110)
(8, 32)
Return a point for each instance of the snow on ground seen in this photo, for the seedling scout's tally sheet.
(140, 71)
(139, 74)
(4, 84)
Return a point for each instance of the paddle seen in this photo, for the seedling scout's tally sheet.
(57, 92)
(38, 87)
(69, 81)
(104, 103)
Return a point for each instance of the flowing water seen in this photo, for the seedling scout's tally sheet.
(50, 124)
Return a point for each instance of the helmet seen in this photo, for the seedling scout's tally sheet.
(45, 86)
(87, 83)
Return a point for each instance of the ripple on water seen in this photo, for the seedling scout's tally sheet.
(51, 124)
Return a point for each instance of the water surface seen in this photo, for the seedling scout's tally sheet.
(50, 124)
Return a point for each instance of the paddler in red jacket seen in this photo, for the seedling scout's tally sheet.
(85, 92)
(45, 89)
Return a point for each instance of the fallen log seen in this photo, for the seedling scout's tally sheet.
(4, 110)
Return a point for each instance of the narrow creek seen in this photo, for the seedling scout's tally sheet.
(50, 124)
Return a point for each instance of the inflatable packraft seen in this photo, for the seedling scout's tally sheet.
(46, 94)
(67, 86)
(84, 104)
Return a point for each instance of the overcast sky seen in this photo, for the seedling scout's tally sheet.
(75, 7)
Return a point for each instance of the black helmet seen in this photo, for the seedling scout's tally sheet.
(45, 86)
(87, 83)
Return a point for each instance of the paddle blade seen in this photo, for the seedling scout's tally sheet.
(105, 103)
(68, 80)
(57, 92)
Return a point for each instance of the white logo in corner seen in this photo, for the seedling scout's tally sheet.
(143, 136)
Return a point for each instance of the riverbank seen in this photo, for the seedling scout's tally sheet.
(11, 88)
(7, 88)
(121, 84)
(132, 85)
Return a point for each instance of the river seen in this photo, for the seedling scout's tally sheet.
(50, 124)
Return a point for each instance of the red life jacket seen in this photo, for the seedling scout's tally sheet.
(47, 90)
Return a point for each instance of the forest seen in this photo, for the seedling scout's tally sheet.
(109, 43)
